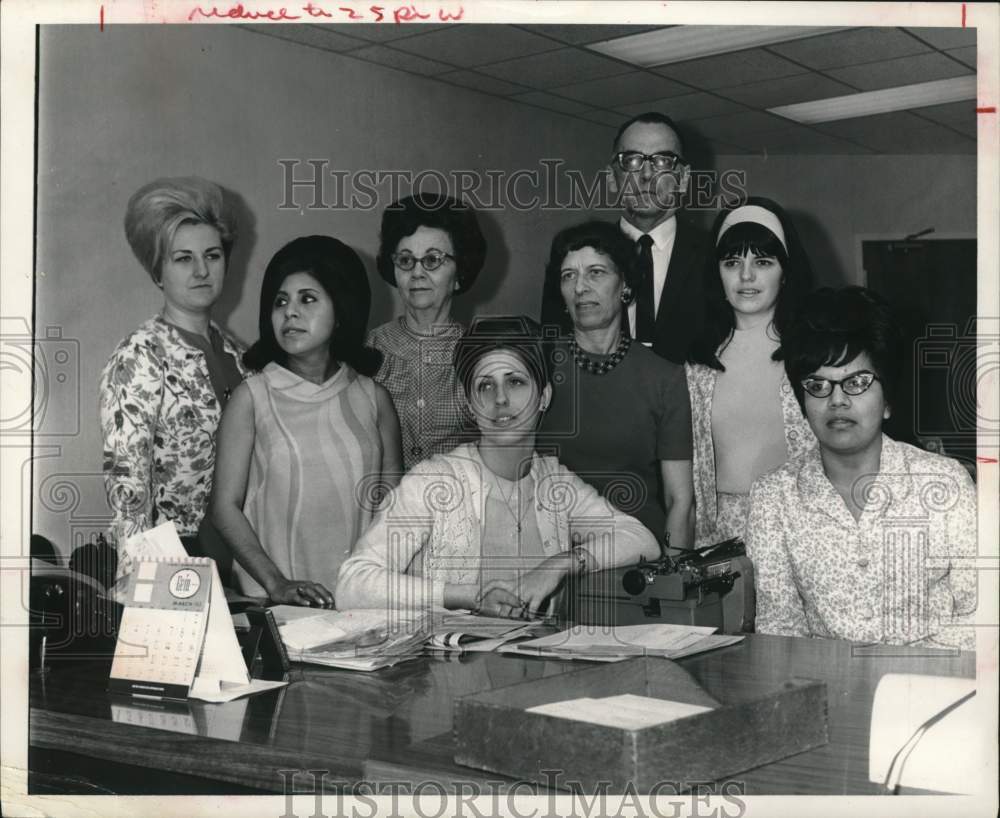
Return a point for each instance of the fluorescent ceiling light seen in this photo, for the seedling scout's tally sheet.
(679, 43)
(880, 102)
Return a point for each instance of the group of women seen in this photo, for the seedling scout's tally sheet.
(413, 466)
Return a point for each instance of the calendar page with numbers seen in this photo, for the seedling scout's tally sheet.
(162, 627)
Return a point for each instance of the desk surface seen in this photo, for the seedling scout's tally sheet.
(395, 724)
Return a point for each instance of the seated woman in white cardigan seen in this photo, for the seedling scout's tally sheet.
(490, 526)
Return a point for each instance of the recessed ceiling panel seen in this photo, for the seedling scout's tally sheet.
(555, 68)
(945, 38)
(785, 91)
(579, 35)
(726, 70)
(684, 107)
(383, 55)
(473, 45)
(901, 71)
(852, 47)
(622, 89)
(550, 101)
(480, 82)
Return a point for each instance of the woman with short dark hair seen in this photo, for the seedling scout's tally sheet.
(862, 538)
(491, 526)
(164, 387)
(745, 419)
(430, 249)
(621, 419)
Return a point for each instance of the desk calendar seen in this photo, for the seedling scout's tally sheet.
(176, 639)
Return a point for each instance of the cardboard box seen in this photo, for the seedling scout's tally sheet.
(494, 732)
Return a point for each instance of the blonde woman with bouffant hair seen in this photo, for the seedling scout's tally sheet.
(164, 387)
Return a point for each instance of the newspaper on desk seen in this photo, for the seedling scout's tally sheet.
(615, 644)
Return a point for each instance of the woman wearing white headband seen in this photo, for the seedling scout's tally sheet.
(745, 418)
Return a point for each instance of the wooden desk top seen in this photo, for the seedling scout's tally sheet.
(395, 724)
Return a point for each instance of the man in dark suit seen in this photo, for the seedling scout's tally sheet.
(649, 173)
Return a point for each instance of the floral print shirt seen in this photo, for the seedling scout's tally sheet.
(159, 414)
(903, 572)
(799, 439)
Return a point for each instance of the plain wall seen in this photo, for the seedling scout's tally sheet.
(121, 107)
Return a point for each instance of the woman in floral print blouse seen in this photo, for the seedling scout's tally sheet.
(164, 386)
(863, 538)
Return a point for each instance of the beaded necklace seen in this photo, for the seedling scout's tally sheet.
(588, 364)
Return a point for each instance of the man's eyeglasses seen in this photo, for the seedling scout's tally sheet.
(430, 262)
(634, 160)
(857, 383)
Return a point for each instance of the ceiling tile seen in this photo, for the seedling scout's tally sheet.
(730, 69)
(578, 35)
(387, 32)
(604, 117)
(687, 106)
(480, 82)
(932, 139)
(731, 125)
(902, 71)
(383, 55)
(967, 55)
(946, 37)
(472, 45)
(894, 133)
(554, 68)
(316, 36)
(798, 141)
(722, 148)
(785, 91)
(610, 92)
(958, 115)
(550, 101)
(852, 47)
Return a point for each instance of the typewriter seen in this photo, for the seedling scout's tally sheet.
(706, 586)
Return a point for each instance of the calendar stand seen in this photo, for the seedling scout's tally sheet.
(176, 638)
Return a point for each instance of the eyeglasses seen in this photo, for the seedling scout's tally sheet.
(430, 262)
(634, 160)
(857, 383)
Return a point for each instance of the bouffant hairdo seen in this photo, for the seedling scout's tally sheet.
(157, 209)
(458, 220)
(832, 327)
(341, 273)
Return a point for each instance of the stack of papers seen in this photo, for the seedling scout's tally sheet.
(467, 632)
(626, 711)
(608, 644)
(352, 640)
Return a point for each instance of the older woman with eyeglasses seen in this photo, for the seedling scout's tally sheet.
(861, 538)
(431, 249)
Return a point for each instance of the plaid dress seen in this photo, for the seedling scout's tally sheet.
(417, 370)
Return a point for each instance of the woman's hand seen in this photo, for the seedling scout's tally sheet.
(537, 586)
(496, 599)
(301, 592)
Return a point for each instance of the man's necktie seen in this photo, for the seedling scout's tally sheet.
(645, 309)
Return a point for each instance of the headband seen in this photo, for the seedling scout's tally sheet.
(757, 215)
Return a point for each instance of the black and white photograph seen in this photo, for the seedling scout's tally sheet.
(499, 408)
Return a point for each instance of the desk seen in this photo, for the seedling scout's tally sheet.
(394, 724)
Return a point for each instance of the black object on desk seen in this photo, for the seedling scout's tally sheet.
(710, 586)
(262, 647)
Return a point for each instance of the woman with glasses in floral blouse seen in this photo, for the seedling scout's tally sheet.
(431, 249)
(862, 538)
(164, 387)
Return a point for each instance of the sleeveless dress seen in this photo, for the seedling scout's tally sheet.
(317, 455)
